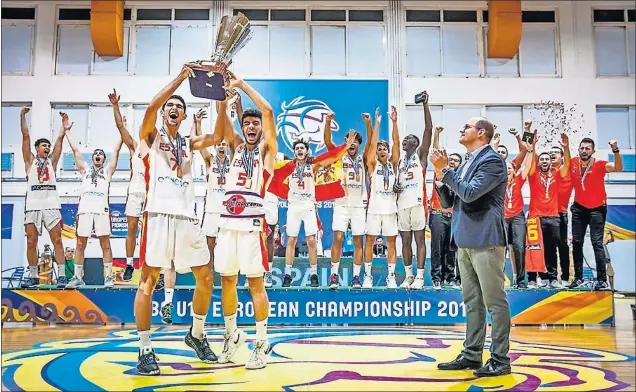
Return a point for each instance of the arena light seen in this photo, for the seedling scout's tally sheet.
(504, 28)
(107, 27)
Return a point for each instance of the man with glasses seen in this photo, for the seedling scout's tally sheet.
(69, 265)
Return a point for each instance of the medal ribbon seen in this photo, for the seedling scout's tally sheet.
(176, 150)
(247, 157)
(41, 164)
(385, 173)
(509, 191)
(585, 170)
(355, 163)
(300, 170)
(547, 183)
(95, 173)
(221, 167)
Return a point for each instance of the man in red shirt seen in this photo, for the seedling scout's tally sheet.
(565, 191)
(545, 182)
(443, 256)
(516, 222)
(503, 150)
(590, 207)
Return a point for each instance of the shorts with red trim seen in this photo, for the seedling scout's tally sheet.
(243, 252)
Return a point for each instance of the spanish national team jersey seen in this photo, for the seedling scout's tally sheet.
(94, 192)
(170, 190)
(302, 185)
(243, 203)
(42, 191)
(353, 182)
(411, 177)
(382, 199)
(544, 193)
(215, 190)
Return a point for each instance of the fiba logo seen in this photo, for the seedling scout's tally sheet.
(304, 119)
(235, 205)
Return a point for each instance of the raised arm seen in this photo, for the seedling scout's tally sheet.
(114, 159)
(27, 155)
(79, 160)
(239, 107)
(428, 133)
(395, 137)
(366, 117)
(523, 149)
(120, 122)
(438, 130)
(148, 128)
(494, 142)
(617, 165)
(201, 142)
(372, 143)
(529, 161)
(565, 145)
(351, 136)
(328, 142)
(57, 147)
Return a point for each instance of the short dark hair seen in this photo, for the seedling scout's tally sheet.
(175, 96)
(458, 157)
(300, 141)
(544, 153)
(384, 143)
(42, 140)
(557, 148)
(487, 126)
(417, 139)
(589, 141)
(504, 147)
(251, 112)
(358, 137)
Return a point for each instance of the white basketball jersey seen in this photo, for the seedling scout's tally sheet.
(382, 199)
(167, 193)
(411, 177)
(42, 191)
(215, 191)
(302, 186)
(243, 203)
(94, 192)
(137, 171)
(353, 182)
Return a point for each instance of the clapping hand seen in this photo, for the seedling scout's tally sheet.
(439, 159)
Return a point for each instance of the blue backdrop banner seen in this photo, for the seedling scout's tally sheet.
(7, 221)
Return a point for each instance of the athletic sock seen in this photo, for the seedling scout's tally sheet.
(108, 269)
(356, 269)
(261, 330)
(392, 269)
(198, 320)
(409, 271)
(288, 269)
(367, 268)
(420, 273)
(34, 271)
(230, 323)
(129, 261)
(313, 269)
(144, 339)
(78, 271)
(168, 294)
(335, 267)
(271, 265)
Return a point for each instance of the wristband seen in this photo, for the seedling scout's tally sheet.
(616, 151)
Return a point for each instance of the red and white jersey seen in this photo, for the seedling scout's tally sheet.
(243, 203)
(167, 192)
(302, 185)
(382, 199)
(411, 177)
(94, 192)
(42, 191)
(353, 182)
(215, 190)
(137, 184)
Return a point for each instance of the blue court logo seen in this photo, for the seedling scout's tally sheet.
(304, 119)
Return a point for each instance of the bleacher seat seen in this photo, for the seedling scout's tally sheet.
(629, 161)
(7, 161)
(68, 160)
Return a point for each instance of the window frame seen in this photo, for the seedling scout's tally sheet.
(631, 124)
(626, 25)
(24, 22)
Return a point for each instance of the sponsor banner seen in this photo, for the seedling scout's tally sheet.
(7, 221)
(305, 306)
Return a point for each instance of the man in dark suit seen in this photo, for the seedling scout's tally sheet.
(475, 191)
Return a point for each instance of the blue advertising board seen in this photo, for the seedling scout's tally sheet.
(7, 221)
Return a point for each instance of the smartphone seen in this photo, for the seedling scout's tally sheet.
(528, 137)
(419, 98)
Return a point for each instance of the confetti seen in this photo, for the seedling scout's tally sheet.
(551, 119)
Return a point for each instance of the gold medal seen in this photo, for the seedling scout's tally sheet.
(547, 196)
(248, 183)
(179, 172)
(357, 178)
(40, 179)
(509, 204)
(386, 185)
(582, 185)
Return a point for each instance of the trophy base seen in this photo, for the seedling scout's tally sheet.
(208, 85)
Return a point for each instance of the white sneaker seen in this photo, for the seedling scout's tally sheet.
(75, 282)
(268, 280)
(109, 282)
(390, 282)
(368, 282)
(260, 355)
(418, 284)
(231, 343)
(408, 281)
(541, 283)
(532, 285)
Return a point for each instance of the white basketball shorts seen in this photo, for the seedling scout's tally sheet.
(243, 252)
(412, 219)
(85, 222)
(211, 224)
(135, 204)
(301, 213)
(382, 224)
(343, 216)
(48, 218)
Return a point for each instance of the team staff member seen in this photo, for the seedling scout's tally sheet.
(516, 222)
(565, 192)
(590, 207)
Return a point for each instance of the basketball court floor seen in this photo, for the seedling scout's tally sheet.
(90, 358)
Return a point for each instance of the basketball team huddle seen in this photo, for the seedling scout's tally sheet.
(381, 192)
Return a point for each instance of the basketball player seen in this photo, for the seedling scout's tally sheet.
(242, 224)
(350, 210)
(411, 190)
(42, 204)
(93, 209)
(443, 255)
(171, 231)
(545, 183)
(136, 187)
(302, 208)
(382, 213)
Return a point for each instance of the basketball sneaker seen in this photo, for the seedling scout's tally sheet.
(268, 280)
(30, 283)
(128, 273)
(201, 347)
(260, 354)
(166, 313)
(109, 282)
(367, 283)
(390, 282)
(418, 284)
(578, 283)
(334, 282)
(601, 286)
(313, 281)
(231, 343)
(408, 281)
(436, 285)
(75, 282)
(147, 362)
(287, 281)
(532, 284)
(355, 283)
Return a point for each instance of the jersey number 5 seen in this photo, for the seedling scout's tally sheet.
(242, 179)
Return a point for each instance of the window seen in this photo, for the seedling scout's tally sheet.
(441, 43)
(78, 114)
(74, 50)
(537, 50)
(415, 120)
(153, 50)
(113, 64)
(506, 117)
(18, 25)
(11, 130)
(614, 42)
(102, 132)
(341, 42)
(188, 43)
(454, 120)
(616, 123)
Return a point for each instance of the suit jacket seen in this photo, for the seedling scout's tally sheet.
(477, 201)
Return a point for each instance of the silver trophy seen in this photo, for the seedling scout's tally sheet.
(211, 78)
